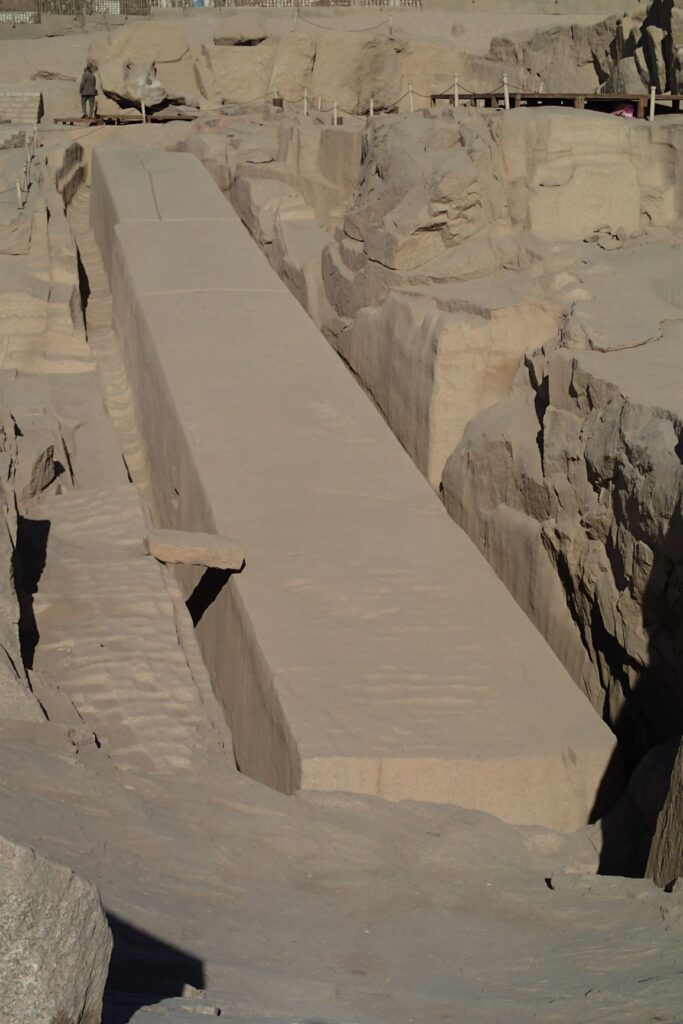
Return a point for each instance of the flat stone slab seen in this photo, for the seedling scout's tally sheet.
(367, 646)
(180, 547)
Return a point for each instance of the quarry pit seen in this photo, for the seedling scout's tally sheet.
(342, 492)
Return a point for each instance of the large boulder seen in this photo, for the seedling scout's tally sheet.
(154, 63)
(129, 83)
(55, 942)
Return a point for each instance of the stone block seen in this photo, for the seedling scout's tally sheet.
(55, 942)
(181, 547)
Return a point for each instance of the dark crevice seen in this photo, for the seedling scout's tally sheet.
(28, 563)
(83, 286)
(206, 592)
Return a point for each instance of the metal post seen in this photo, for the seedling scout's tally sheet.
(456, 91)
(20, 201)
(541, 87)
(144, 111)
(334, 115)
(275, 95)
(320, 102)
(296, 17)
(506, 92)
(653, 92)
(305, 102)
(391, 27)
(372, 106)
(410, 99)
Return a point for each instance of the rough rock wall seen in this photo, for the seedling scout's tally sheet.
(619, 54)
(422, 246)
(665, 861)
(572, 487)
(435, 275)
(16, 700)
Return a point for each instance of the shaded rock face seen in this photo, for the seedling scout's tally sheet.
(665, 862)
(572, 488)
(55, 942)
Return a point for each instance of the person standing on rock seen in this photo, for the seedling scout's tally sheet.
(88, 91)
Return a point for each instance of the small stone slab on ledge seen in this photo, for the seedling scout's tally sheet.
(184, 547)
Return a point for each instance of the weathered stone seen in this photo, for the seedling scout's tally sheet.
(54, 942)
(181, 547)
(572, 488)
(653, 40)
(626, 77)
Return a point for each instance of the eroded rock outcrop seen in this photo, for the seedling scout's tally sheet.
(619, 54)
(55, 942)
(572, 488)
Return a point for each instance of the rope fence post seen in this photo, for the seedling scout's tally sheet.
(296, 17)
(144, 111)
(20, 199)
(305, 102)
(506, 92)
(391, 27)
(334, 110)
(456, 91)
(651, 115)
(320, 102)
(372, 106)
(411, 100)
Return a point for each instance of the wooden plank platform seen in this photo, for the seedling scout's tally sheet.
(159, 117)
(580, 101)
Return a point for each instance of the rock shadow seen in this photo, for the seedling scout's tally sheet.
(28, 563)
(143, 971)
(650, 723)
(206, 592)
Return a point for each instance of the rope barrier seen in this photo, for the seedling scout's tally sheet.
(457, 89)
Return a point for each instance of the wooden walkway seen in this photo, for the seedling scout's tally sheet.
(159, 117)
(580, 101)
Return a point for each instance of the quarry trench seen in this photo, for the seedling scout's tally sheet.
(104, 344)
(137, 453)
(367, 632)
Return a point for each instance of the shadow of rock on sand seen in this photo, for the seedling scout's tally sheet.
(650, 722)
(143, 971)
